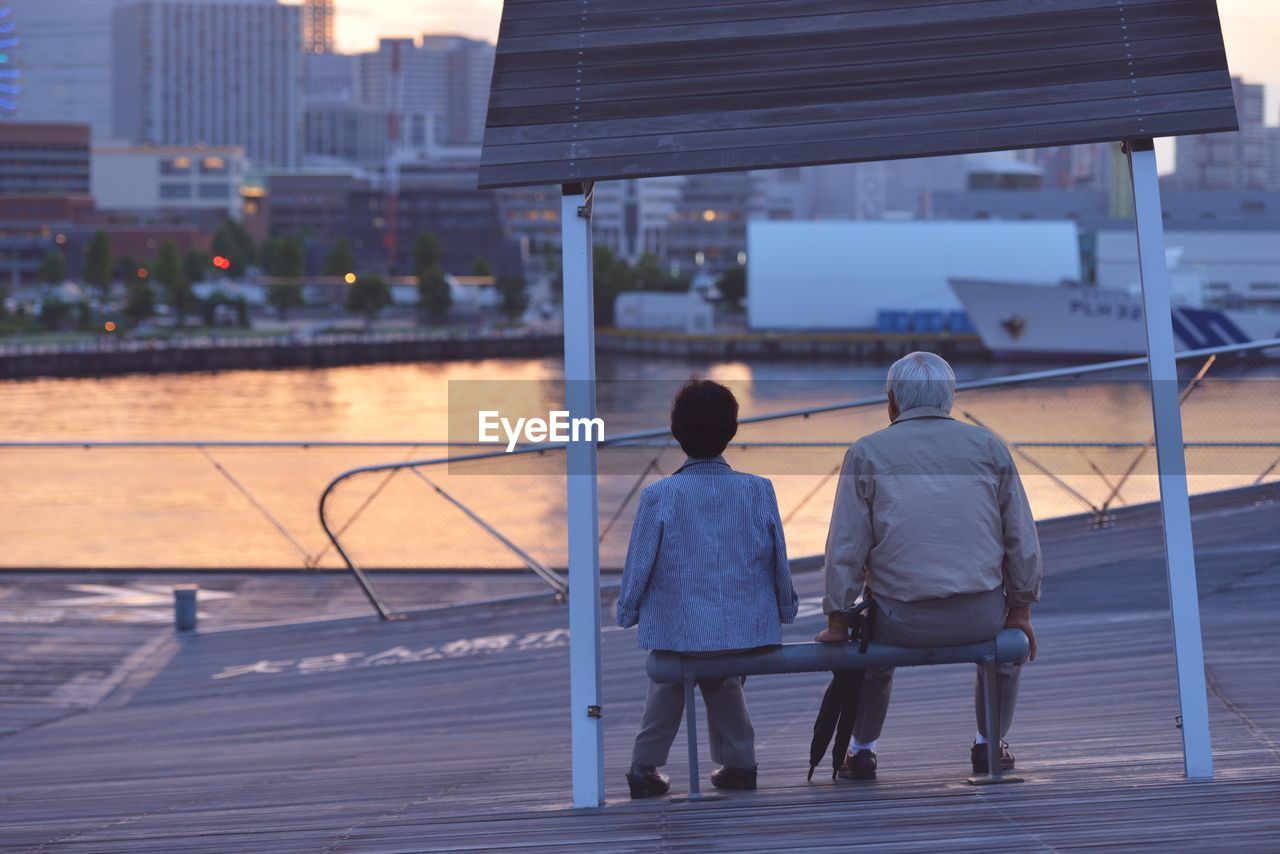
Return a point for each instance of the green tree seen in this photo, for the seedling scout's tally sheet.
(286, 259)
(513, 292)
(368, 296)
(434, 294)
(733, 285)
(54, 313)
(139, 301)
(341, 260)
(127, 267)
(53, 268)
(195, 266)
(171, 276)
(285, 296)
(97, 262)
(426, 252)
(233, 242)
(481, 267)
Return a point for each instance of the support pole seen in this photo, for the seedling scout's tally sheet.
(583, 517)
(1175, 506)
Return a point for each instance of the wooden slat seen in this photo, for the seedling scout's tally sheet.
(596, 89)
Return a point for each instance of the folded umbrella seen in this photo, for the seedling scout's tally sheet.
(839, 708)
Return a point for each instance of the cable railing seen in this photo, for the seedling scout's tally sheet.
(659, 440)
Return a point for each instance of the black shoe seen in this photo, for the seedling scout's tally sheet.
(734, 778)
(646, 782)
(978, 757)
(858, 766)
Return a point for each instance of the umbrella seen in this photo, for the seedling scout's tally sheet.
(839, 707)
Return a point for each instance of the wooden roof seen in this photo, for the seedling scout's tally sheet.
(601, 89)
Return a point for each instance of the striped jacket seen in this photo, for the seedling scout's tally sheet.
(707, 569)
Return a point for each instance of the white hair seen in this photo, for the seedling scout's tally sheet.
(922, 379)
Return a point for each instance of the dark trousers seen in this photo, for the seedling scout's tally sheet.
(729, 729)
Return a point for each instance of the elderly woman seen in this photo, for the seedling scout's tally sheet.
(706, 573)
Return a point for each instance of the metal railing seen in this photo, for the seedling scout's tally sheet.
(660, 439)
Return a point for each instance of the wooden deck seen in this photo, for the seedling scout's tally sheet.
(448, 731)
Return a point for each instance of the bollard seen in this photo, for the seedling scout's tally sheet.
(184, 607)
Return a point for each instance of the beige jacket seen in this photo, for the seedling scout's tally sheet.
(930, 507)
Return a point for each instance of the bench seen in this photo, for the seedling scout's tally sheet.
(1010, 645)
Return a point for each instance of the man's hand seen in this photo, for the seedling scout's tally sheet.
(1020, 618)
(837, 630)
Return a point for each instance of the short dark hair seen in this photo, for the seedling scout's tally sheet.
(704, 418)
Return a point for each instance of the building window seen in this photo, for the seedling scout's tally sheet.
(176, 166)
(1264, 286)
(175, 191)
(215, 191)
(213, 165)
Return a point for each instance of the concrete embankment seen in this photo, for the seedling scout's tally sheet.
(871, 346)
(124, 357)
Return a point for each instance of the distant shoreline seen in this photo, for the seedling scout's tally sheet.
(107, 357)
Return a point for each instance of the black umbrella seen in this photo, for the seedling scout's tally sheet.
(835, 718)
(839, 707)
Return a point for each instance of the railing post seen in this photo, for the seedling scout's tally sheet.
(1175, 506)
(583, 511)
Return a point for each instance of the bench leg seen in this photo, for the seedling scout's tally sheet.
(992, 713)
(691, 732)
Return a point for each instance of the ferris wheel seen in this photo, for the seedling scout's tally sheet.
(9, 72)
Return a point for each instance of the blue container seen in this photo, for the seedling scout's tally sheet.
(928, 321)
(893, 321)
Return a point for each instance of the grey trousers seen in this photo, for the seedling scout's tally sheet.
(729, 729)
(967, 618)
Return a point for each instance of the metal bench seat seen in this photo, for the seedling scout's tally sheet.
(1010, 645)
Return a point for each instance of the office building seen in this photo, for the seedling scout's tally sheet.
(1227, 161)
(202, 183)
(331, 78)
(57, 54)
(446, 76)
(44, 159)
(201, 72)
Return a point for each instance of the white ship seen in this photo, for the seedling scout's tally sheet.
(1073, 321)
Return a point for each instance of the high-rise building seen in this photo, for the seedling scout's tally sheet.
(1273, 159)
(447, 76)
(331, 78)
(1227, 161)
(56, 54)
(317, 26)
(190, 72)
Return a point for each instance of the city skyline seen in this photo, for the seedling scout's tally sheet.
(1251, 29)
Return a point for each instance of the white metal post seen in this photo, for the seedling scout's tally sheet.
(1175, 507)
(584, 550)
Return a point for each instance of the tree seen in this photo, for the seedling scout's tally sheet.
(233, 242)
(435, 297)
(54, 313)
(127, 267)
(195, 265)
(514, 295)
(368, 296)
(285, 296)
(53, 268)
(426, 252)
(340, 260)
(139, 301)
(286, 258)
(97, 262)
(169, 273)
(733, 285)
(612, 275)
(481, 267)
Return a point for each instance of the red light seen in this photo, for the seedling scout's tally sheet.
(221, 263)
(142, 273)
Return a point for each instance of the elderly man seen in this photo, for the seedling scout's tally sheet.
(930, 516)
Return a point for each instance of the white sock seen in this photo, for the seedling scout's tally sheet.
(858, 745)
(980, 738)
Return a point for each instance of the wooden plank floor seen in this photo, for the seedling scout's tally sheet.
(448, 732)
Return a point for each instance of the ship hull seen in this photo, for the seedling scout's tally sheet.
(1066, 322)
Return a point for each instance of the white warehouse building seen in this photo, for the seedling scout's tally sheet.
(842, 274)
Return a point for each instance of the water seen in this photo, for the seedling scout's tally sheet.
(141, 508)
